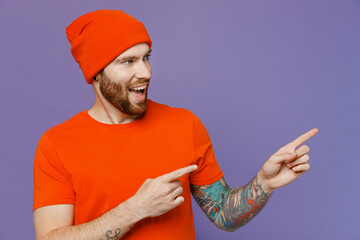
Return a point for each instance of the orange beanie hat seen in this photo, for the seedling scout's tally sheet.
(98, 37)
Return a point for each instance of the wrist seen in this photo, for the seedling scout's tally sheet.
(130, 211)
(136, 209)
(264, 183)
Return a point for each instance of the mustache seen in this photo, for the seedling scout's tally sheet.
(138, 83)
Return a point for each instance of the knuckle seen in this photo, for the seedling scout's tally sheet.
(160, 178)
(162, 189)
(283, 148)
(273, 158)
(167, 188)
(169, 205)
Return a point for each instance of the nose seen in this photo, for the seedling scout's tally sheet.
(143, 70)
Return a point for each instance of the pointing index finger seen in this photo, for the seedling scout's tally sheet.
(303, 138)
(178, 173)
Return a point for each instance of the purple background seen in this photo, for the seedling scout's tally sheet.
(257, 73)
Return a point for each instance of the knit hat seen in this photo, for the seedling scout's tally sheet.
(98, 37)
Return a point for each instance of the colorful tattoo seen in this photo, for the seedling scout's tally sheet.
(230, 208)
(211, 198)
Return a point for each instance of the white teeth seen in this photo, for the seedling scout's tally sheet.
(139, 88)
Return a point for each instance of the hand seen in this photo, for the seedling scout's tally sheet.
(160, 195)
(288, 163)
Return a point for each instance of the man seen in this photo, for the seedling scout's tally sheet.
(125, 168)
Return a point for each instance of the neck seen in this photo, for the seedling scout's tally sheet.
(105, 112)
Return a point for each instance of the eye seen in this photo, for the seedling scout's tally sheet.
(147, 57)
(128, 61)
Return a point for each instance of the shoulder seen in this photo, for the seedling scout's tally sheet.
(74, 122)
(163, 110)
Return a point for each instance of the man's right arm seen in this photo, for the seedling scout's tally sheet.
(154, 198)
(56, 222)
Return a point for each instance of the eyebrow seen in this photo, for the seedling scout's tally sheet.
(130, 57)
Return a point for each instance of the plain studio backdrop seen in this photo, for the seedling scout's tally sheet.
(257, 73)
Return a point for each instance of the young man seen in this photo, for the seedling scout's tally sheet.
(126, 167)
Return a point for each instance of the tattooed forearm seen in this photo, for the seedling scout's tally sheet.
(115, 236)
(211, 197)
(241, 205)
(229, 208)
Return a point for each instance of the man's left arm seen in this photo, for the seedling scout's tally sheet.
(230, 209)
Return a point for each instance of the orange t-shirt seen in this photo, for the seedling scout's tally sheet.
(96, 166)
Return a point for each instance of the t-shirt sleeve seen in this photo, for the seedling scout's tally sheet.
(208, 169)
(51, 182)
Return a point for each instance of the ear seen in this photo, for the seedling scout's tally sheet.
(98, 75)
(95, 78)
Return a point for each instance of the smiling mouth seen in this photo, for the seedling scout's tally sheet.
(140, 89)
(138, 92)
